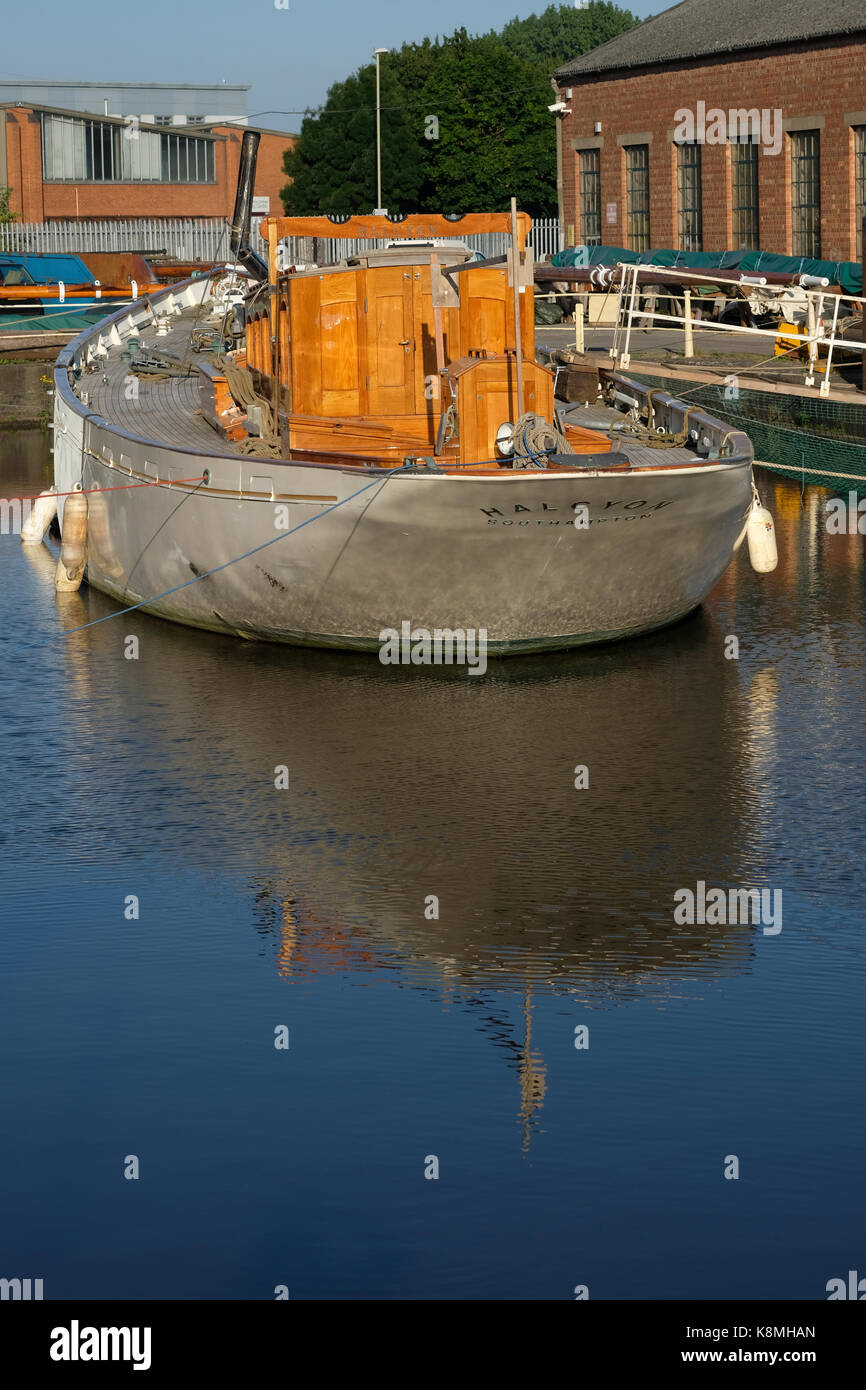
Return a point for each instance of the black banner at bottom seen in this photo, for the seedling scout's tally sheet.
(66, 1339)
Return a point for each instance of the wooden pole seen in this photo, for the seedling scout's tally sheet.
(689, 342)
(579, 343)
(273, 312)
(440, 349)
(517, 334)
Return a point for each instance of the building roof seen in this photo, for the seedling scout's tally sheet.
(198, 130)
(703, 28)
(129, 86)
(219, 124)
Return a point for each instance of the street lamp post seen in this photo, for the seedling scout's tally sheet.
(379, 210)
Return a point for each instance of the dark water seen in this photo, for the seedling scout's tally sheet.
(413, 1037)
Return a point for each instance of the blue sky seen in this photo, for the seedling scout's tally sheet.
(290, 57)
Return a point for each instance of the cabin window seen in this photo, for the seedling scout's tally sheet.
(76, 150)
(15, 275)
(689, 221)
(744, 194)
(806, 193)
(590, 197)
(637, 196)
(860, 185)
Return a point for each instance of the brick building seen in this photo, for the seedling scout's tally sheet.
(67, 164)
(720, 124)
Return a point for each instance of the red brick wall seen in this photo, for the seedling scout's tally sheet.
(24, 163)
(34, 201)
(822, 79)
(269, 168)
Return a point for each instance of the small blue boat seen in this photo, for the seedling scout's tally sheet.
(55, 312)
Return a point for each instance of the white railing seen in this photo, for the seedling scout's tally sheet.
(811, 335)
(206, 238)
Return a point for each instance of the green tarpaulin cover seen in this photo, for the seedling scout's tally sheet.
(848, 274)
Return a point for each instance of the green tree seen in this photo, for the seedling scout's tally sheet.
(333, 165)
(6, 214)
(495, 137)
(561, 33)
(465, 123)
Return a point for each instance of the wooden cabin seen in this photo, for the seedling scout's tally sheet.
(417, 349)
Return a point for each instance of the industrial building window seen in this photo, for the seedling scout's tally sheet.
(637, 196)
(163, 120)
(806, 193)
(689, 223)
(744, 194)
(590, 197)
(185, 160)
(83, 151)
(860, 184)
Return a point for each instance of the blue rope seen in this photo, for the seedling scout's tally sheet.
(155, 597)
(536, 458)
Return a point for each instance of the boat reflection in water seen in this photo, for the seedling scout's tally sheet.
(408, 784)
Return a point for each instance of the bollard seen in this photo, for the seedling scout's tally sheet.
(689, 343)
(578, 328)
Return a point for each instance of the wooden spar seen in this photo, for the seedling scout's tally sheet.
(437, 318)
(420, 226)
(515, 255)
(25, 294)
(440, 347)
(273, 303)
(605, 277)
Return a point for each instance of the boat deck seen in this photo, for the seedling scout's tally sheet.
(603, 417)
(165, 410)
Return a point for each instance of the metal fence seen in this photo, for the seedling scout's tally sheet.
(207, 238)
(188, 238)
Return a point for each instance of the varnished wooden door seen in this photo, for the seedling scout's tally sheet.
(390, 367)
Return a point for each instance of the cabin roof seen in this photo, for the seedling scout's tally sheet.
(705, 28)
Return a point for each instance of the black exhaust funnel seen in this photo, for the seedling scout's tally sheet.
(239, 241)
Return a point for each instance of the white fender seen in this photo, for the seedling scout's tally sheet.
(73, 548)
(761, 532)
(42, 513)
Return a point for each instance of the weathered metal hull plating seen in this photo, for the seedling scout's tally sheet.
(499, 552)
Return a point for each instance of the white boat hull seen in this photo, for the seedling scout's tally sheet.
(496, 553)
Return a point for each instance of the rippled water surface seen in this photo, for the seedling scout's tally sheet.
(414, 1036)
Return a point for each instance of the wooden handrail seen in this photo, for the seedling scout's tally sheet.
(418, 225)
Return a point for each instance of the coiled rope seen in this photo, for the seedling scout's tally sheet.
(539, 439)
(240, 383)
